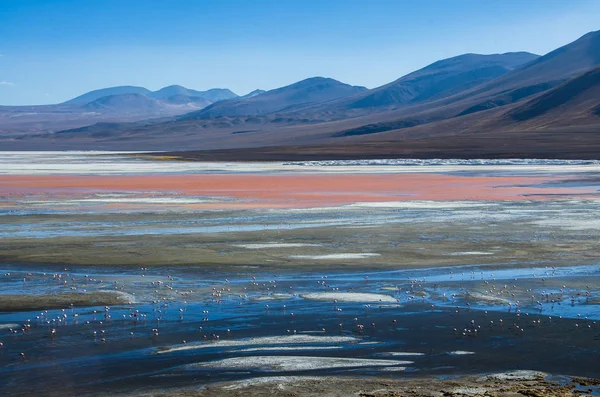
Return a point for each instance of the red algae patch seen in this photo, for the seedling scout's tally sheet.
(292, 191)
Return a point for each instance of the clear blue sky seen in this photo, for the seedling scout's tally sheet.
(53, 50)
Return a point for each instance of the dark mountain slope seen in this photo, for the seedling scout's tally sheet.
(572, 104)
(545, 72)
(532, 79)
(576, 98)
(442, 79)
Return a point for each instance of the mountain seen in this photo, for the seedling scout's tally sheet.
(126, 103)
(442, 79)
(470, 83)
(560, 64)
(194, 101)
(213, 95)
(502, 105)
(217, 94)
(450, 113)
(122, 103)
(253, 94)
(563, 122)
(96, 94)
(575, 101)
(303, 93)
(537, 76)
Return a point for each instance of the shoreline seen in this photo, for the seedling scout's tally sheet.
(572, 145)
(504, 384)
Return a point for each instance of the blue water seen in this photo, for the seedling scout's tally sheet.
(195, 305)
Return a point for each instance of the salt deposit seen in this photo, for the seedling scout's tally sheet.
(400, 354)
(274, 245)
(349, 297)
(280, 380)
(295, 363)
(271, 297)
(470, 253)
(113, 163)
(488, 298)
(266, 340)
(336, 256)
(297, 348)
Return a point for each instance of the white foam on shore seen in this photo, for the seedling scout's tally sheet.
(274, 245)
(294, 363)
(265, 340)
(336, 256)
(349, 297)
(460, 353)
(9, 326)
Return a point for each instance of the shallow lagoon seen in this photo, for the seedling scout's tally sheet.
(255, 314)
(382, 288)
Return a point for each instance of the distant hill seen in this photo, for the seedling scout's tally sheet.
(253, 94)
(213, 95)
(122, 103)
(96, 94)
(217, 94)
(196, 101)
(306, 92)
(126, 103)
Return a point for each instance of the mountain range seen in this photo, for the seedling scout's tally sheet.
(122, 103)
(165, 93)
(471, 105)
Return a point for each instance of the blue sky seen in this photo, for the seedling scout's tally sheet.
(53, 50)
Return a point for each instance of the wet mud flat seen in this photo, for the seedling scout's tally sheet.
(417, 234)
(10, 303)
